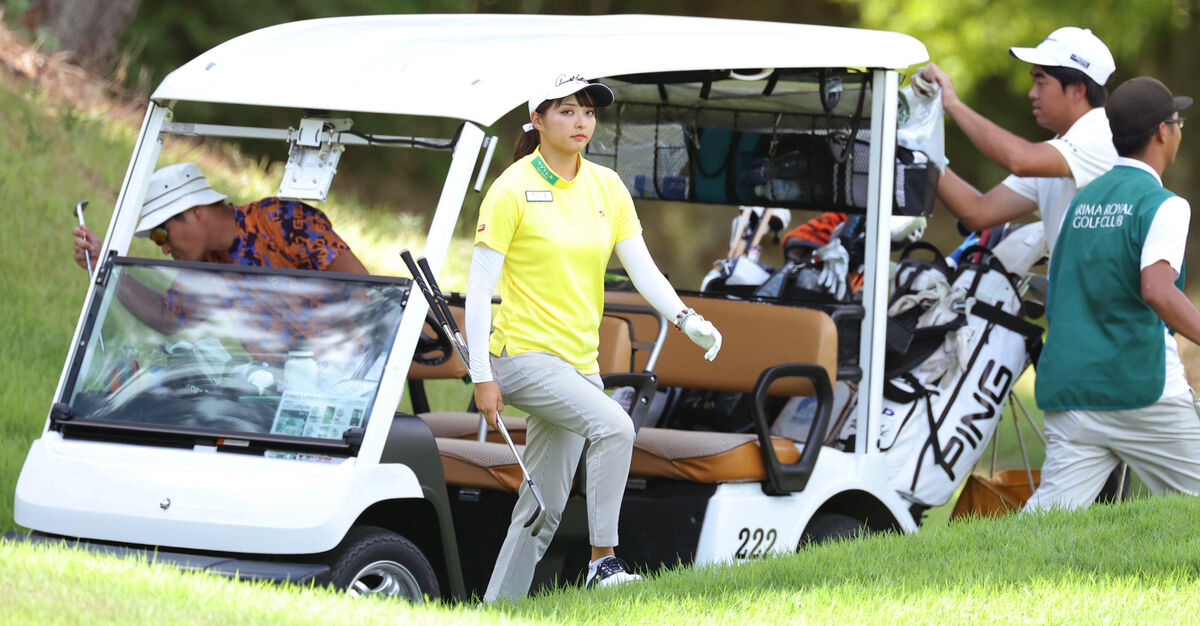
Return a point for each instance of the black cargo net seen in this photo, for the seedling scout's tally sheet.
(729, 156)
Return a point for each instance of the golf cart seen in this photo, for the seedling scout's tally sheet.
(272, 449)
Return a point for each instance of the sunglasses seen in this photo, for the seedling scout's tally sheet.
(159, 235)
(1176, 121)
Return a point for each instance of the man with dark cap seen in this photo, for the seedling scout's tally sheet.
(1110, 378)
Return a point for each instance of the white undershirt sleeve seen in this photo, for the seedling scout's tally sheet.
(1167, 237)
(486, 264)
(647, 278)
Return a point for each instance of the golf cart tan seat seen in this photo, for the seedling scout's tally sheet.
(755, 337)
(797, 335)
(467, 462)
(704, 457)
(616, 355)
(483, 464)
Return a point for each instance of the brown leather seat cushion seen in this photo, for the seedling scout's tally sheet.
(615, 351)
(463, 425)
(483, 464)
(696, 456)
(755, 336)
(704, 457)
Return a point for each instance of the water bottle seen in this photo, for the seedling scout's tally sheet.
(779, 190)
(300, 371)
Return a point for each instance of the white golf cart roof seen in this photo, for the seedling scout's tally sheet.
(479, 67)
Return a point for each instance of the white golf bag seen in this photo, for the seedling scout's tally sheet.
(956, 345)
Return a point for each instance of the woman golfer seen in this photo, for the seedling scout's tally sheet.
(547, 228)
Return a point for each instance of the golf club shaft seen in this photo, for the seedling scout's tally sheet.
(424, 280)
(455, 336)
(87, 260)
(423, 263)
(442, 317)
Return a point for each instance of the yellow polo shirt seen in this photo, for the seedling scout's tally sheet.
(556, 237)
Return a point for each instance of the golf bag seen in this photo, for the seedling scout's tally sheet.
(956, 345)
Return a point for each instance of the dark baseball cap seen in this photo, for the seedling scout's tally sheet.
(1141, 104)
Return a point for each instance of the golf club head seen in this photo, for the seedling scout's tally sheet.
(538, 519)
(79, 207)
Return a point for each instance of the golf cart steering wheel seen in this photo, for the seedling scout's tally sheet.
(433, 348)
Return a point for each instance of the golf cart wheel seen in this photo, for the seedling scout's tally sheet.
(826, 527)
(375, 562)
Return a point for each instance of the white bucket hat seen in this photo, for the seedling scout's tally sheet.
(565, 85)
(1076, 48)
(173, 190)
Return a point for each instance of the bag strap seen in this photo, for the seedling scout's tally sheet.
(938, 257)
(1031, 332)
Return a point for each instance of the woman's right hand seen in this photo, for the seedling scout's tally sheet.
(85, 240)
(489, 401)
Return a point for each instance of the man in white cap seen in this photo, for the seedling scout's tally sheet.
(191, 221)
(1069, 70)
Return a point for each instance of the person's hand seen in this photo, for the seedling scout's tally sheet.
(704, 334)
(85, 240)
(934, 74)
(489, 401)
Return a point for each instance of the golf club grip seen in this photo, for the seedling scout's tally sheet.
(419, 279)
(423, 263)
(406, 256)
(442, 317)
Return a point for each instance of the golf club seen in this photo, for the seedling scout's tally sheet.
(87, 259)
(423, 277)
(423, 263)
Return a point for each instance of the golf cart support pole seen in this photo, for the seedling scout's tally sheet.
(882, 160)
(441, 311)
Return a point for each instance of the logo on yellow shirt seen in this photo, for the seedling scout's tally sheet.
(541, 195)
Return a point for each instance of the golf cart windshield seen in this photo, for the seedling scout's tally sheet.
(285, 358)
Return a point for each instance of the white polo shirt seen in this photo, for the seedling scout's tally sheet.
(1087, 147)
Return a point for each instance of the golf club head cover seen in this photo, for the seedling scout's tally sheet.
(702, 333)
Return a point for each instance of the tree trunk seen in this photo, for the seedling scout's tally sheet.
(89, 29)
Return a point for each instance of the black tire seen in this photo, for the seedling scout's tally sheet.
(826, 527)
(374, 561)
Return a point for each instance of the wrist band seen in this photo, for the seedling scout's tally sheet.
(683, 316)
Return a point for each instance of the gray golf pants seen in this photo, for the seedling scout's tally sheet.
(1161, 444)
(565, 408)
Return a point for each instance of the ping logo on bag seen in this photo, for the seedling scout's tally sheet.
(967, 436)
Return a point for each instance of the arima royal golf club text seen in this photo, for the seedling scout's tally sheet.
(1096, 216)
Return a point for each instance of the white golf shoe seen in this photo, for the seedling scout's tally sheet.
(609, 571)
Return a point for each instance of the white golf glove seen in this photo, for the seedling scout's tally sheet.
(702, 333)
(835, 263)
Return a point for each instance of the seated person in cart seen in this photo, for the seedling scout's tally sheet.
(191, 221)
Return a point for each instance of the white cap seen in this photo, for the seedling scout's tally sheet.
(173, 190)
(565, 85)
(1076, 48)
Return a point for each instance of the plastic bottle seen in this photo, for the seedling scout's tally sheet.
(779, 189)
(300, 371)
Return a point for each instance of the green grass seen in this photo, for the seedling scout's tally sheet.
(1134, 563)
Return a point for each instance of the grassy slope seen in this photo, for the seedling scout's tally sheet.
(1134, 563)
